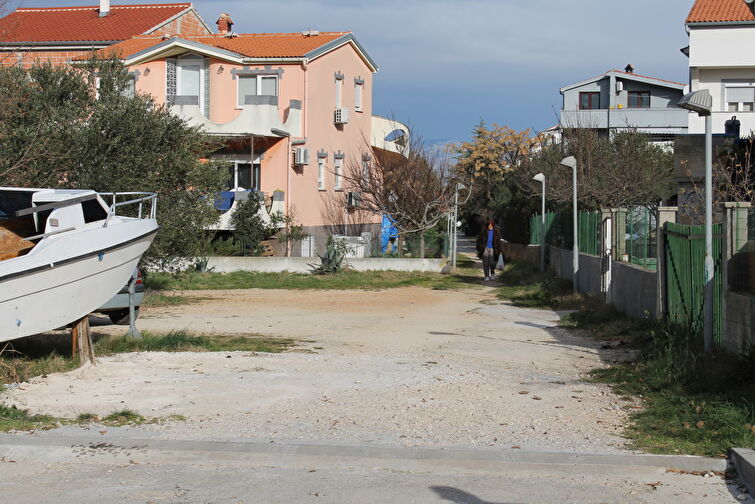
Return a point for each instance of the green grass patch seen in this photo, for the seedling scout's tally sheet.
(343, 280)
(525, 286)
(18, 367)
(12, 418)
(123, 417)
(183, 341)
(692, 403)
(159, 299)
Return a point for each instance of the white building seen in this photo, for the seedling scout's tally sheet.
(722, 60)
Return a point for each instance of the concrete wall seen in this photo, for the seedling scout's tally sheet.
(634, 290)
(517, 252)
(304, 264)
(589, 269)
(739, 325)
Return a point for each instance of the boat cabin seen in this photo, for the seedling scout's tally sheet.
(28, 215)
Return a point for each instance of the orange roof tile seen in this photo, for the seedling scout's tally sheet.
(69, 24)
(720, 11)
(252, 45)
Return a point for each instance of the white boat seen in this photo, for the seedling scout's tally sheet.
(64, 253)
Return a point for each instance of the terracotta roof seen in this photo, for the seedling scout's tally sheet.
(720, 11)
(252, 45)
(69, 24)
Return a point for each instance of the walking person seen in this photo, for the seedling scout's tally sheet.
(489, 248)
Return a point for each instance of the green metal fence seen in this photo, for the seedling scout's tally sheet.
(685, 276)
(641, 237)
(559, 230)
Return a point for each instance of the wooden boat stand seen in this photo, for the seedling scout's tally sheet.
(81, 342)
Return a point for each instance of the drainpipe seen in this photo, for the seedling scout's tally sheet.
(304, 104)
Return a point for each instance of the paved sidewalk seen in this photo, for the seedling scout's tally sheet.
(115, 468)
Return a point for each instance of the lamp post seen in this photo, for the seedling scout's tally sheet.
(540, 177)
(571, 162)
(701, 102)
(456, 223)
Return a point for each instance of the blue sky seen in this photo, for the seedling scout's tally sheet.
(446, 64)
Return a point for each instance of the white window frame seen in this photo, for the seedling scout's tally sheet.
(358, 96)
(739, 106)
(191, 60)
(338, 171)
(259, 78)
(321, 167)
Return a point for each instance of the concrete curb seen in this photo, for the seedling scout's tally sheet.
(115, 448)
(743, 460)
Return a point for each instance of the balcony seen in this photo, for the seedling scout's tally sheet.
(389, 135)
(662, 120)
(260, 116)
(227, 201)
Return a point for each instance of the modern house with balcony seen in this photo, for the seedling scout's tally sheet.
(721, 59)
(294, 109)
(58, 35)
(616, 101)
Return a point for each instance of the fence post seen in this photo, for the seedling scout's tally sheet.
(736, 226)
(620, 226)
(735, 239)
(665, 214)
(606, 260)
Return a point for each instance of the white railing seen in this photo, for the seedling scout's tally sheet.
(145, 197)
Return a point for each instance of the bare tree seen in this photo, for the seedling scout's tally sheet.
(622, 170)
(733, 180)
(416, 186)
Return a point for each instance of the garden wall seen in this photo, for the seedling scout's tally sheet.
(306, 264)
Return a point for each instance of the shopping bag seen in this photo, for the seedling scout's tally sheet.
(500, 262)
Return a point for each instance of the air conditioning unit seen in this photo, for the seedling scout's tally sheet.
(353, 199)
(301, 156)
(341, 115)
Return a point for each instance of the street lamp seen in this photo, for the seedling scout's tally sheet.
(456, 223)
(540, 177)
(571, 162)
(701, 102)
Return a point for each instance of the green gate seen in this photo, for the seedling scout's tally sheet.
(685, 276)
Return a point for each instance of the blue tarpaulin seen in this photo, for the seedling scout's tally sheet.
(388, 230)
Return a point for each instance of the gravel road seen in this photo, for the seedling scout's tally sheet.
(411, 366)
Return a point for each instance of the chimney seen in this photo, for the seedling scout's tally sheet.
(104, 8)
(225, 24)
(629, 68)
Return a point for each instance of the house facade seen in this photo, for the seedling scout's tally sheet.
(616, 101)
(294, 109)
(721, 35)
(60, 34)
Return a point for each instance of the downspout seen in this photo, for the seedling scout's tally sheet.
(304, 105)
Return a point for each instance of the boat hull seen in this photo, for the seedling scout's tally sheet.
(37, 297)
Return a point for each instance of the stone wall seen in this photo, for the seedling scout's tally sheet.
(739, 324)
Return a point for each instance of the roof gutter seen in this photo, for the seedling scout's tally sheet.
(719, 23)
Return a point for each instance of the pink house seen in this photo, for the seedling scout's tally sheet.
(57, 35)
(295, 108)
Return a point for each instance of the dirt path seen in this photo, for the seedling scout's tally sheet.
(406, 366)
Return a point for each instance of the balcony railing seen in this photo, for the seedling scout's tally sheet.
(671, 120)
(260, 116)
